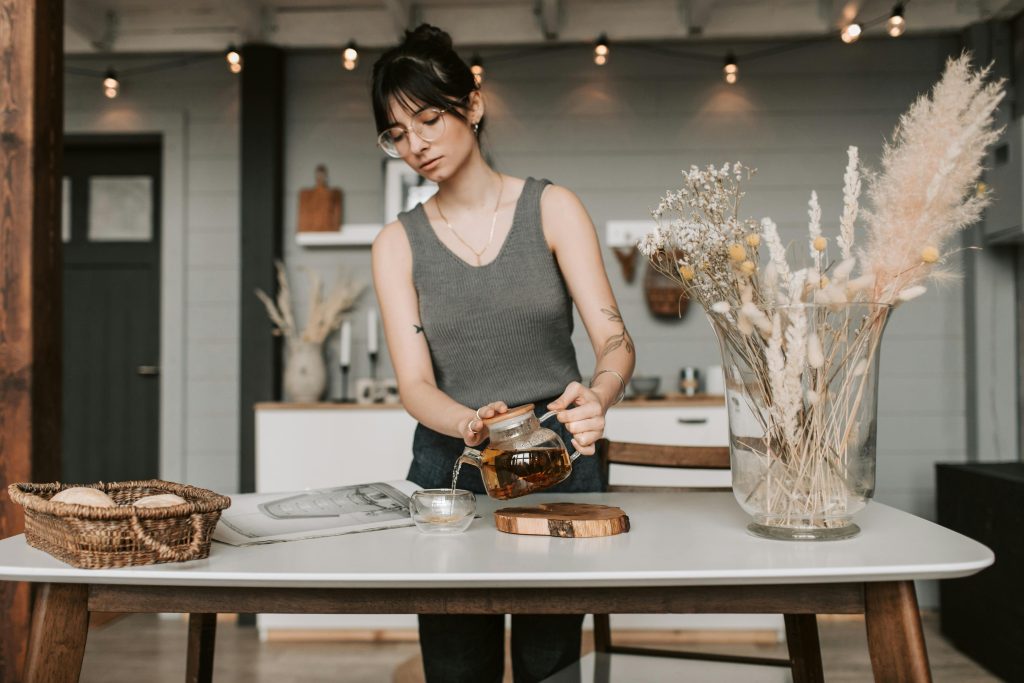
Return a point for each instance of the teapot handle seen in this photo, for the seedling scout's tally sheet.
(551, 413)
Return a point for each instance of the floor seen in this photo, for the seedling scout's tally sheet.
(151, 649)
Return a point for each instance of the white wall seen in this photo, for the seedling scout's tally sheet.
(205, 96)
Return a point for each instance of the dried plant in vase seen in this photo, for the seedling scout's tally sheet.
(800, 342)
(305, 372)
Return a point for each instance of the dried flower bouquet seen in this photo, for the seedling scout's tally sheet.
(800, 343)
(325, 315)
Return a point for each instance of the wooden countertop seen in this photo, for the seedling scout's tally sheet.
(669, 401)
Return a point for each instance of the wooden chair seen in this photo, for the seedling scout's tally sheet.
(801, 629)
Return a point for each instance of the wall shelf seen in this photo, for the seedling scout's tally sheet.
(351, 235)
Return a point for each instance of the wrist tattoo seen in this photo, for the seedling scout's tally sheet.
(616, 340)
(418, 328)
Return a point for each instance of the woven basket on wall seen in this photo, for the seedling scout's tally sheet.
(94, 537)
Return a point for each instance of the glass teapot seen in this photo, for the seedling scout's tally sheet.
(521, 457)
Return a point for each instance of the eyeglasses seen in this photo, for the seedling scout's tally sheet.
(428, 125)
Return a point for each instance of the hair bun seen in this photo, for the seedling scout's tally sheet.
(428, 36)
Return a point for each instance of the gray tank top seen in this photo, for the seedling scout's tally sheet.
(501, 331)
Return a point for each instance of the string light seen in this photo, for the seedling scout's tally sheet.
(731, 69)
(350, 56)
(111, 86)
(851, 33)
(477, 67)
(897, 24)
(234, 59)
(601, 50)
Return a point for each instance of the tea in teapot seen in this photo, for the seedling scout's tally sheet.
(521, 457)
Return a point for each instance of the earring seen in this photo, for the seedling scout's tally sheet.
(476, 128)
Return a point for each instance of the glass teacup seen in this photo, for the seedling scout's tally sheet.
(442, 511)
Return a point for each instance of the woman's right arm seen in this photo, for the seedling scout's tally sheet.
(407, 344)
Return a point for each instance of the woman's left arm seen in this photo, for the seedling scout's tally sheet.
(571, 236)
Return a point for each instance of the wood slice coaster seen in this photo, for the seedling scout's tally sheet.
(565, 520)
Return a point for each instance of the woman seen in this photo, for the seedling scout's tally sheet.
(476, 289)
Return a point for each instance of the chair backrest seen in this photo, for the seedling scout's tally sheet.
(657, 455)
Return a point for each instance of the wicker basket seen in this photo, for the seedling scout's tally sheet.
(124, 536)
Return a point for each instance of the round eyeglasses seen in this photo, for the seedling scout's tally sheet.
(428, 125)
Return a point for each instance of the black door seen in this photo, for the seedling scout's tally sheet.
(111, 308)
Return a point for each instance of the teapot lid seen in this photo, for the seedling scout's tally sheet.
(511, 413)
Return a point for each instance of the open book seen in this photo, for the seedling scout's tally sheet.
(272, 517)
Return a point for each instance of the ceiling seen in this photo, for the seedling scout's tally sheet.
(151, 26)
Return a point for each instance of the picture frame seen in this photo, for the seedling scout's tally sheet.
(404, 188)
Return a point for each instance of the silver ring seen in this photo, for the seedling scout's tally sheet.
(469, 428)
(478, 413)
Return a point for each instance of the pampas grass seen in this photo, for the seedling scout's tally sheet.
(926, 190)
(325, 315)
(802, 343)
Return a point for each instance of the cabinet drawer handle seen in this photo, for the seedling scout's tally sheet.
(692, 420)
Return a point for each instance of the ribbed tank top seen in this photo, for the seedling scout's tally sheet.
(501, 331)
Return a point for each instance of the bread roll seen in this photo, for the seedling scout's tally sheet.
(160, 500)
(84, 495)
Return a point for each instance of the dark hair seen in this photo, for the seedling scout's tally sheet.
(423, 69)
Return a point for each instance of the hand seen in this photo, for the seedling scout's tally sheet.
(585, 421)
(472, 428)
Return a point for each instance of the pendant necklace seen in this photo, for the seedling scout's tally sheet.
(494, 220)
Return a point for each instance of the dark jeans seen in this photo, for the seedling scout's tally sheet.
(471, 648)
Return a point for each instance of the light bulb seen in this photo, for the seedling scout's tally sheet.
(897, 23)
(851, 33)
(111, 86)
(601, 50)
(731, 69)
(350, 56)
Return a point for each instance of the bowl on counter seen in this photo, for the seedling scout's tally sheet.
(645, 386)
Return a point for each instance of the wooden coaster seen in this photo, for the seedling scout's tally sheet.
(566, 520)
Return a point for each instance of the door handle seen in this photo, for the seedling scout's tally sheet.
(147, 370)
(692, 420)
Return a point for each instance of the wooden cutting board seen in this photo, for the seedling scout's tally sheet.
(565, 520)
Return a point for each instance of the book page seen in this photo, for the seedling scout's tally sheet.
(289, 516)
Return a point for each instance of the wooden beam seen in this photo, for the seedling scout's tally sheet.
(549, 17)
(94, 23)
(838, 13)
(695, 14)
(825, 598)
(248, 16)
(402, 13)
(31, 116)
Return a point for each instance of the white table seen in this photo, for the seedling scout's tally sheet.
(685, 553)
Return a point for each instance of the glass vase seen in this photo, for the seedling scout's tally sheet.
(802, 394)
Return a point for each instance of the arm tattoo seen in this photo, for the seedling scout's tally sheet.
(616, 340)
(418, 328)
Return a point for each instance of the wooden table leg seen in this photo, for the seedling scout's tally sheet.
(60, 625)
(202, 635)
(895, 638)
(804, 648)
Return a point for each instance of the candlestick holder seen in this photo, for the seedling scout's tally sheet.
(344, 385)
(377, 397)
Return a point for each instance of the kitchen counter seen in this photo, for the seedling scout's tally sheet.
(668, 401)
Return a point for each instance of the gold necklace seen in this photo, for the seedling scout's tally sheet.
(494, 220)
